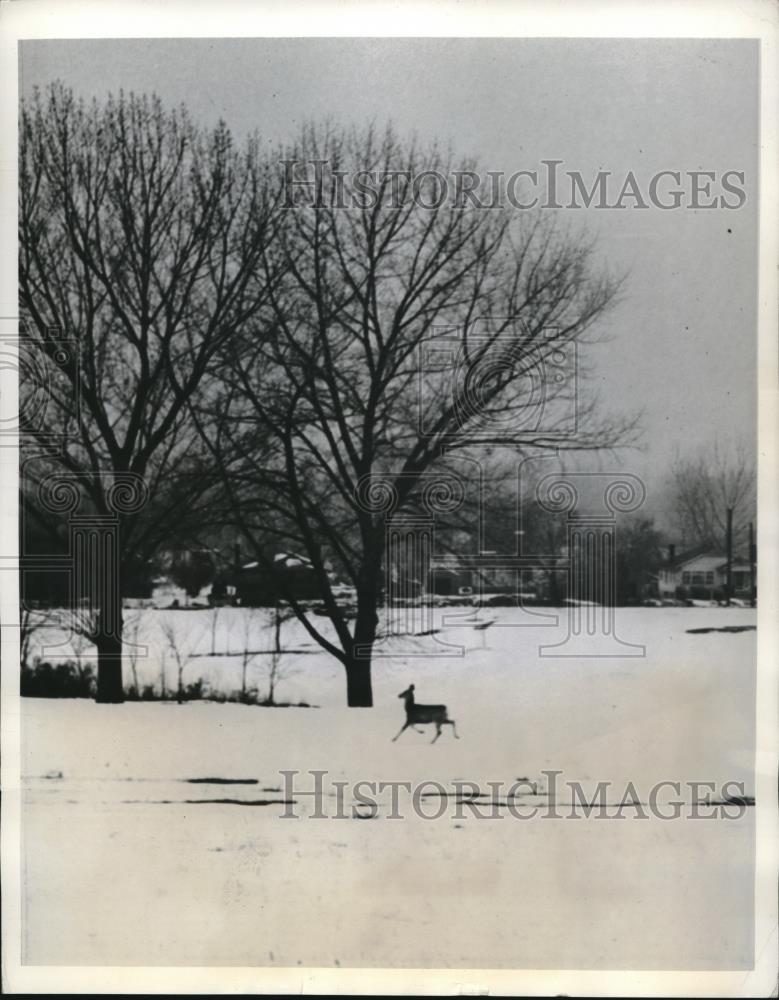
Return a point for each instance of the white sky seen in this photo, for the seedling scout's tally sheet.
(683, 342)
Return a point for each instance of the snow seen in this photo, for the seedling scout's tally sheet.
(123, 866)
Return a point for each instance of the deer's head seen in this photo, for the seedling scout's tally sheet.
(408, 693)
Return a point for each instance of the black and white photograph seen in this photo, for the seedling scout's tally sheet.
(389, 505)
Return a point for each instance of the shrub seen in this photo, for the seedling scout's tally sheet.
(70, 680)
(60, 680)
(195, 691)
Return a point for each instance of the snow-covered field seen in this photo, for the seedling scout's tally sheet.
(127, 862)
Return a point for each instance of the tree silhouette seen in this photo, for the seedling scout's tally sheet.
(333, 408)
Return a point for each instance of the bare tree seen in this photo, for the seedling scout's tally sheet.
(276, 669)
(163, 678)
(248, 622)
(397, 328)
(30, 622)
(214, 622)
(141, 240)
(705, 485)
(182, 643)
(27, 628)
(132, 629)
(638, 557)
(79, 643)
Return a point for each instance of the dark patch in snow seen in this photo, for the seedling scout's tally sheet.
(240, 802)
(729, 800)
(227, 781)
(479, 796)
(200, 802)
(454, 795)
(725, 628)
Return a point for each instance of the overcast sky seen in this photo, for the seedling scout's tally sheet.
(683, 342)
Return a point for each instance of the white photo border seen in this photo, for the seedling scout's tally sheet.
(758, 19)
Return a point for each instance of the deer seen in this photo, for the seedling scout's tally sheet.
(424, 714)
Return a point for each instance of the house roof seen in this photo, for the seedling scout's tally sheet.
(290, 560)
(684, 557)
(706, 562)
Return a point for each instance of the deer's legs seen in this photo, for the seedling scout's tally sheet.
(454, 728)
(437, 732)
(404, 726)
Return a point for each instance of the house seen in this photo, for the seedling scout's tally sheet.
(254, 584)
(449, 576)
(703, 574)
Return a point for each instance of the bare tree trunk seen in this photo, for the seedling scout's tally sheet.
(109, 667)
(244, 667)
(214, 618)
(134, 669)
(276, 656)
(359, 689)
(729, 547)
(752, 560)
(277, 630)
(108, 637)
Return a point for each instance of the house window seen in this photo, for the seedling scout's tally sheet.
(697, 578)
(709, 578)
